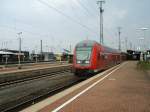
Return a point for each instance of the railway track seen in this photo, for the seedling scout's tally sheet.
(48, 84)
(14, 97)
(15, 82)
(18, 77)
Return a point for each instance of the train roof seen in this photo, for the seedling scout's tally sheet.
(111, 50)
(86, 43)
(92, 42)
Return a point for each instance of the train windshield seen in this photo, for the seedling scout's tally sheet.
(83, 53)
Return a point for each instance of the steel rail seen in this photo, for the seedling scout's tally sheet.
(26, 79)
(55, 89)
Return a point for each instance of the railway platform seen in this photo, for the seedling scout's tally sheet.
(123, 88)
(29, 67)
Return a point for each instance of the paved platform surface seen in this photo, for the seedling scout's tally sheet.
(124, 89)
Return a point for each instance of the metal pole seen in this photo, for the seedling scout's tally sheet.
(101, 20)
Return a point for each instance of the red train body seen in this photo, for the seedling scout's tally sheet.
(90, 56)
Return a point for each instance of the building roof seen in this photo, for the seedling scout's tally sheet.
(5, 52)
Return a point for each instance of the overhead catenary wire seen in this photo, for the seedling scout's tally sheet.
(91, 7)
(74, 13)
(67, 16)
(84, 7)
(87, 10)
(72, 4)
(23, 30)
(70, 18)
(94, 25)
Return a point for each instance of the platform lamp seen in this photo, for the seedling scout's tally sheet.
(143, 29)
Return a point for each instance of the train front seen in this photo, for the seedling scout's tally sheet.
(82, 60)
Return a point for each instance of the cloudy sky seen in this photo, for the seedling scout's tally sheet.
(61, 23)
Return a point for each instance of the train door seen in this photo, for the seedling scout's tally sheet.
(107, 59)
(103, 60)
(98, 59)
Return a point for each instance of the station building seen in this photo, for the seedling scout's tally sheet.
(11, 56)
(44, 56)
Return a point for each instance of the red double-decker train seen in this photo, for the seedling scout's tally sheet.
(90, 56)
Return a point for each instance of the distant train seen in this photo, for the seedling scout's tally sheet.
(90, 56)
(133, 55)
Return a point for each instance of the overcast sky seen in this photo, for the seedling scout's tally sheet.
(61, 23)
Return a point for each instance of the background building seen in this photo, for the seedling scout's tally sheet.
(11, 56)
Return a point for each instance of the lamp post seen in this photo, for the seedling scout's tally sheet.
(6, 54)
(19, 55)
(141, 43)
(143, 29)
(36, 54)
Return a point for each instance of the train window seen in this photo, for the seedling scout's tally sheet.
(83, 48)
(99, 55)
(83, 53)
(104, 56)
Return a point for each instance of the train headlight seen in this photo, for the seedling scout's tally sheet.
(78, 62)
(87, 62)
